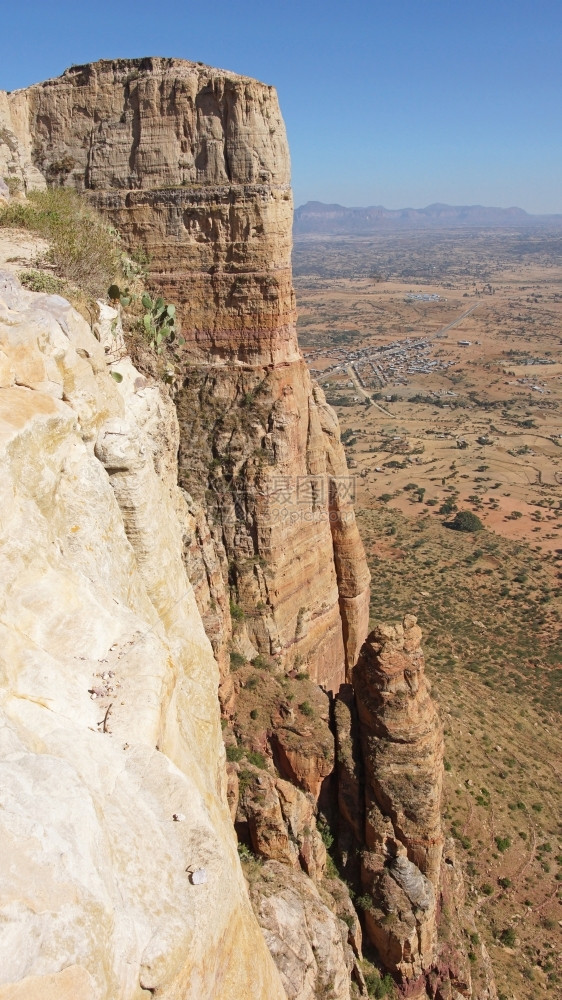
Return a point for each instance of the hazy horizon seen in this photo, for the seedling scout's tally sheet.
(421, 207)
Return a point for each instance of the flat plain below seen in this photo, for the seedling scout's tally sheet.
(442, 355)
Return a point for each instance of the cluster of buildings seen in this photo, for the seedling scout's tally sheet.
(422, 297)
(375, 367)
(532, 385)
(529, 384)
(532, 361)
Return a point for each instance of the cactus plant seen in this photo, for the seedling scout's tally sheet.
(117, 295)
(159, 320)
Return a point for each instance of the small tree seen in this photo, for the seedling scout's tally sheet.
(507, 937)
(465, 520)
(447, 507)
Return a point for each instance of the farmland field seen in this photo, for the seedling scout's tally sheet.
(442, 355)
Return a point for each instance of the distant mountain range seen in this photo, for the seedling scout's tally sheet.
(335, 220)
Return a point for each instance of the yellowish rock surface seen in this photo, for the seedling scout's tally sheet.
(110, 717)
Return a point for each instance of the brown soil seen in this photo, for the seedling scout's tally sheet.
(489, 603)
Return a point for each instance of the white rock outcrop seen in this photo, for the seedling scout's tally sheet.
(109, 716)
(308, 941)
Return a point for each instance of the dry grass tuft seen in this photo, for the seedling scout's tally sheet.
(84, 250)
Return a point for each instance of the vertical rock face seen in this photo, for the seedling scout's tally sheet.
(403, 754)
(402, 744)
(192, 164)
(111, 649)
(307, 938)
(390, 763)
(16, 145)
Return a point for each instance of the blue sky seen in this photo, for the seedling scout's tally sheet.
(402, 102)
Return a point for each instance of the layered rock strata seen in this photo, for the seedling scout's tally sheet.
(192, 164)
(112, 762)
(309, 923)
(402, 748)
(402, 743)
(275, 819)
(390, 769)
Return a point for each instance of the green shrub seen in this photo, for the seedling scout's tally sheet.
(236, 612)
(245, 779)
(502, 843)
(261, 662)
(256, 758)
(159, 322)
(244, 853)
(237, 660)
(463, 840)
(119, 296)
(465, 520)
(331, 870)
(325, 832)
(378, 986)
(507, 937)
(135, 263)
(42, 281)
(306, 708)
(235, 753)
(364, 902)
(486, 889)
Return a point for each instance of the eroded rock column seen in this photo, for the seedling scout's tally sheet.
(390, 753)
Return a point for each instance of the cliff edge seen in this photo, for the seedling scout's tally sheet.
(176, 549)
(192, 164)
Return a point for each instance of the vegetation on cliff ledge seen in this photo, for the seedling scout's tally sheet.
(83, 249)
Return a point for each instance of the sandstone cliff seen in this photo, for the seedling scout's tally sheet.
(192, 164)
(129, 595)
(390, 763)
